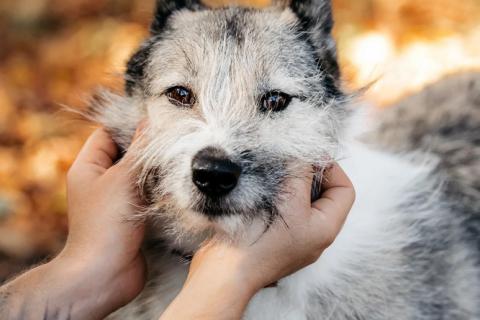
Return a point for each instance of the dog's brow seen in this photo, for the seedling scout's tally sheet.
(189, 65)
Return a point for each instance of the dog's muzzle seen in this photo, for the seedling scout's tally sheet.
(213, 173)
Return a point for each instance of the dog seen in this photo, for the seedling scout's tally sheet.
(238, 100)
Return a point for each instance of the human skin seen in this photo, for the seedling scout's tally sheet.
(101, 267)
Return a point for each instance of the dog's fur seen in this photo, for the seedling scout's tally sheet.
(443, 119)
(402, 254)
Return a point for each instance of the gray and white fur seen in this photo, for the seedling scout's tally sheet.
(402, 254)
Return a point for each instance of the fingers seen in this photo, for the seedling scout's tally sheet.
(99, 151)
(336, 201)
(99, 154)
(296, 199)
(301, 187)
(336, 177)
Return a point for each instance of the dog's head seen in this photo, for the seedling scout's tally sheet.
(236, 100)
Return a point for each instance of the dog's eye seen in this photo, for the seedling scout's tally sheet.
(180, 96)
(275, 101)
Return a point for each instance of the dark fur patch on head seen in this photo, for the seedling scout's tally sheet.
(234, 28)
(165, 8)
(236, 24)
(136, 68)
(314, 14)
(330, 82)
(316, 24)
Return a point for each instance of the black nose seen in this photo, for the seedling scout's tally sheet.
(213, 173)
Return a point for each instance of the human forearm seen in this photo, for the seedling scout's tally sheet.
(33, 294)
(60, 289)
(222, 301)
(218, 288)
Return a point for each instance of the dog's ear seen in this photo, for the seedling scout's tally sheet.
(316, 20)
(165, 8)
(314, 15)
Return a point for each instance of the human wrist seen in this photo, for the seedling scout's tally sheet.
(66, 286)
(111, 283)
(223, 284)
(220, 301)
(51, 288)
(74, 284)
(215, 289)
(223, 267)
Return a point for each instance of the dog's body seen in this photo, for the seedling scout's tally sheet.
(256, 94)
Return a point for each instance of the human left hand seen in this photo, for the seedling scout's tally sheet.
(101, 267)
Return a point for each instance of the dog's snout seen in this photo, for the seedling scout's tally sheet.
(214, 173)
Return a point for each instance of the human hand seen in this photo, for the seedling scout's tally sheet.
(101, 267)
(224, 276)
(103, 238)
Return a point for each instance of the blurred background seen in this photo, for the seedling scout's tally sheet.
(56, 52)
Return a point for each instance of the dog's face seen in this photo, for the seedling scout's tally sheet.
(236, 100)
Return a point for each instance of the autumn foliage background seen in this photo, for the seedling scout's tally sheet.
(54, 53)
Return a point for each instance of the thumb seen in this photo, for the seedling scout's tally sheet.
(96, 156)
(297, 197)
(335, 202)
